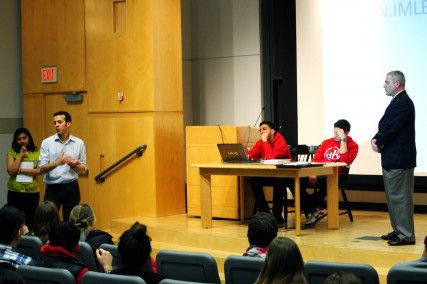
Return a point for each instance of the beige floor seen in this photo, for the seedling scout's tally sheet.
(229, 237)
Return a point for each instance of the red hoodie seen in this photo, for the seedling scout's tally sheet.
(328, 151)
(60, 252)
(266, 151)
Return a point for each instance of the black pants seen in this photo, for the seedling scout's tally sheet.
(27, 202)
(309, 202)
(279, 190)
(64, 194)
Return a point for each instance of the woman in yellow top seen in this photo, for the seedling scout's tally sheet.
(23, 189)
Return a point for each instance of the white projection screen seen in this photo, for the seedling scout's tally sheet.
(344, 50)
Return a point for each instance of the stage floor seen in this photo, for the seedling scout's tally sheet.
(355, 242)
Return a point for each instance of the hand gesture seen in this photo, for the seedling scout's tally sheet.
(341, 133)
(23, 152)
(374, 145)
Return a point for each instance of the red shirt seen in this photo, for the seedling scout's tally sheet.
(328, 151)
(278, 149)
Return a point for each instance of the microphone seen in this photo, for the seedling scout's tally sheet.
(249, 127)
(259, 116)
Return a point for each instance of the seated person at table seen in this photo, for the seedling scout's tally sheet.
(262, 229)
(340, 148)
(271, 145)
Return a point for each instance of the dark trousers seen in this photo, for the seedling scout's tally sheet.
(311, 201)
(27, 202)
(64, 194)
(279, 190)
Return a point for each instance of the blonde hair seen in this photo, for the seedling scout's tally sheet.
(83, 218)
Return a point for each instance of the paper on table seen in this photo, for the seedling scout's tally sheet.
(25, 178)
(276, 161)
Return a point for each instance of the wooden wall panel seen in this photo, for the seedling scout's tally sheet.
(53, 33)
(169, 163)
(119, 61)
(34, 118)
(167, 56)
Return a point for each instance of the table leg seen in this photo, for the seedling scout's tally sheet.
(332, 200)
(297, 206)
(205, 200)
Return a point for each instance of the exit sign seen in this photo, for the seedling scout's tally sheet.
(49, 74)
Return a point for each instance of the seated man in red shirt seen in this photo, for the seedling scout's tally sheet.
(340, 148)
(271, 145)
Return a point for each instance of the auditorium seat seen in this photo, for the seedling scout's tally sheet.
(188, 266)
(92, 277)
(173, 281)
(85, 255)
(30, 246)
(317, 271)
(414, 272)
(44, 275)
(242, 269)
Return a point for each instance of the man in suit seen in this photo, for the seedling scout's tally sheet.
(395, 141)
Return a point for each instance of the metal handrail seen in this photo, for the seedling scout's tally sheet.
(139, 151)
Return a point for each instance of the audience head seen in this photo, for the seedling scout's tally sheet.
(12, 222)
(83, 218)
(45, 217)
(283, 264)
(135, 246)
(342, 278)
(23, 137)
(343, 124)
(66, 235)
(262, 229)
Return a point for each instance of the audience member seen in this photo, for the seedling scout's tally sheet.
(59, 251)
(83, 218)
(13, 226)
(45, 217)
(135, 249)
(342, 278)
(271, 145)
(283, 264)
(262, 229)
(23, 194)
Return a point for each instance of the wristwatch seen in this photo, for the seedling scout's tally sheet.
(343, 140)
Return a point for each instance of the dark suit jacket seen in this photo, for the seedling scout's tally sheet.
(396, 134)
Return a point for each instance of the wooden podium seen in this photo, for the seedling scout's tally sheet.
(201, 147)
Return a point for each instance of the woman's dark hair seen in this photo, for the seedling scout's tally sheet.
(64, 234)
(135, 246)
(45, 217)
(16, 147)
(283, 264)
(262, 229)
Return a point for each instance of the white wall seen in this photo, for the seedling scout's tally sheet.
(221, 62)
(10, 82)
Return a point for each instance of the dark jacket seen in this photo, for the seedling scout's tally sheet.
(396, 134)
(58, 257)
(95, 238)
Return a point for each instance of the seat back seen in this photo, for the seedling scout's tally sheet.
(30, 246)
(173, 281)
(317, 271)
(302, 152)
(188, 266)
(117, 259)
(44, 275)
(242, 269)
(414, 272)
(85, 255)
(92, 277)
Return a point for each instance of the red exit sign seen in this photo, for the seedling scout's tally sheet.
(49, 74)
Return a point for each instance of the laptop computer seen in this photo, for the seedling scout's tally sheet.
(234, 153)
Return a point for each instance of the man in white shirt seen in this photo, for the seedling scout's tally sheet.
(62, 159)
